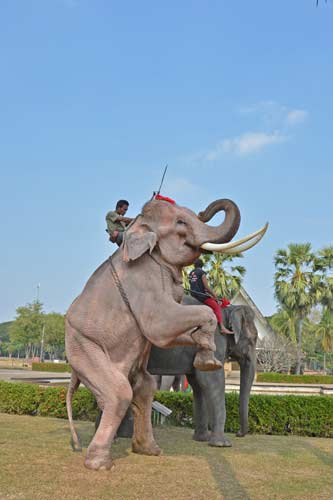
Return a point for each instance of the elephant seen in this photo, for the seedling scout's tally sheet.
(209, 387)
(133, 301)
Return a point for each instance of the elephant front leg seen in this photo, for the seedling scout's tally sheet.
(213, 388)
(143, 441)
(191, 326)
(200, 412)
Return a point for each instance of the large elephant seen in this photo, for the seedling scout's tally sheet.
(209, 388)
(132, 301)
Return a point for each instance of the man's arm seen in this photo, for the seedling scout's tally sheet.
(207, 287)
(126, 220)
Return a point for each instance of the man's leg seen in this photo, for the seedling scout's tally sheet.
(217, 311)
(120, 237)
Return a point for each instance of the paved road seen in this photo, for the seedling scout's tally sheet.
(15, 375)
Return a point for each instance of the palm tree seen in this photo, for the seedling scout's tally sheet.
(297, 287)
(324, 331)
(224, 277)
(284, 323)
(324, 264)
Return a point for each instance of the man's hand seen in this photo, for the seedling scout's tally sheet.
(127, 220)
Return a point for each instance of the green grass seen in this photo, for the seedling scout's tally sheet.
(36, 463)
(294, 379)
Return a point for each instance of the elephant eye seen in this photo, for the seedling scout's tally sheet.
(180, 221)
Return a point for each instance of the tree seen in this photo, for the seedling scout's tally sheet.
(297, 286)
(324, 266)
(275, 353)
(324, 331)
(284, 323)
(223, 276)
(25, 331)
(54, 324)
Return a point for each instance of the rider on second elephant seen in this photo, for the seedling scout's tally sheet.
(201, 291)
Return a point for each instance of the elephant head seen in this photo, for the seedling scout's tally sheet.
(179, 235)
(240, 320)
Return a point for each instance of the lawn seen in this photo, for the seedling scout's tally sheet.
(36, 463)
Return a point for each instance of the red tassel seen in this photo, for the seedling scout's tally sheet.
(164, 198)
(225, 303)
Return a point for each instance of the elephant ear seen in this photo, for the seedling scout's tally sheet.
(135, 244)
(236, 322)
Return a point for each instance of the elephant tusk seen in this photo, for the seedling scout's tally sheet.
(243, 248)
(237, 246)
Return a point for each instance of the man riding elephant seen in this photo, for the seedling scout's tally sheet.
(133, 301)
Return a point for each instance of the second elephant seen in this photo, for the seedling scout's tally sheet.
(209, 387)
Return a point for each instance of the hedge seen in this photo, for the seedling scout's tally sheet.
(26, 399)
(51, 367)
(301, 415)
(294, 379)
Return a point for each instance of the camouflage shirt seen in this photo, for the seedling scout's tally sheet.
(113, 222)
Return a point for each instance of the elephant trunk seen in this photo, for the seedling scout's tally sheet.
(217, 239)
(227, 229)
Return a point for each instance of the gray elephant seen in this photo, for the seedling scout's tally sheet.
(209, 388)
(133, 300)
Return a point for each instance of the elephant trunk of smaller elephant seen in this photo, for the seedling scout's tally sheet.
(247, 373)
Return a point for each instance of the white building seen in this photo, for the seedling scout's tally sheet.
(242, 298)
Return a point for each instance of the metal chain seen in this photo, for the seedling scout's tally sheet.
(123, 294)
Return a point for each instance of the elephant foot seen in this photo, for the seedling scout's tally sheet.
(240, 434)
(205, 361)
(151, 449)
(201, 437)
(99, 460)
(220, 442)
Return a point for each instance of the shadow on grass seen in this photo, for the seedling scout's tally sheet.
(221, 470)
(325, 457)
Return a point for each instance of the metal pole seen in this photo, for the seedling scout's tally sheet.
(42, 345)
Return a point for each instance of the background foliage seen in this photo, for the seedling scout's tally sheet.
(302, 415)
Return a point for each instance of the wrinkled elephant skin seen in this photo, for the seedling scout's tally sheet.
(134, 302)
(209, 388)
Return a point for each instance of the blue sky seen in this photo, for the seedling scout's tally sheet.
(96, 96)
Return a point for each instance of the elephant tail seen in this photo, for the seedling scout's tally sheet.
(73, 385)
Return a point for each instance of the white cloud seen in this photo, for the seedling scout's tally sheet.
(245, 144)
(296, 116)
(179, 185)
(275, 115)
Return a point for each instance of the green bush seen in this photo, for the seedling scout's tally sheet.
(26, 399)
(181, 405)
(302, 415)
(51, 367)
(294, 379)
(22, 399)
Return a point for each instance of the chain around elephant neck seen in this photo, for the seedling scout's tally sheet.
(168, 270)
(123, 294)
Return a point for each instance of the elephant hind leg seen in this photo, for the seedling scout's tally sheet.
(143, 441)
(113, 393)
(74, 384)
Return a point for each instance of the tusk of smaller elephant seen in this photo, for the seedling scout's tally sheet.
(236, 246)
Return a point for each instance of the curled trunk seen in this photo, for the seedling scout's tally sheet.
(228, 228)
